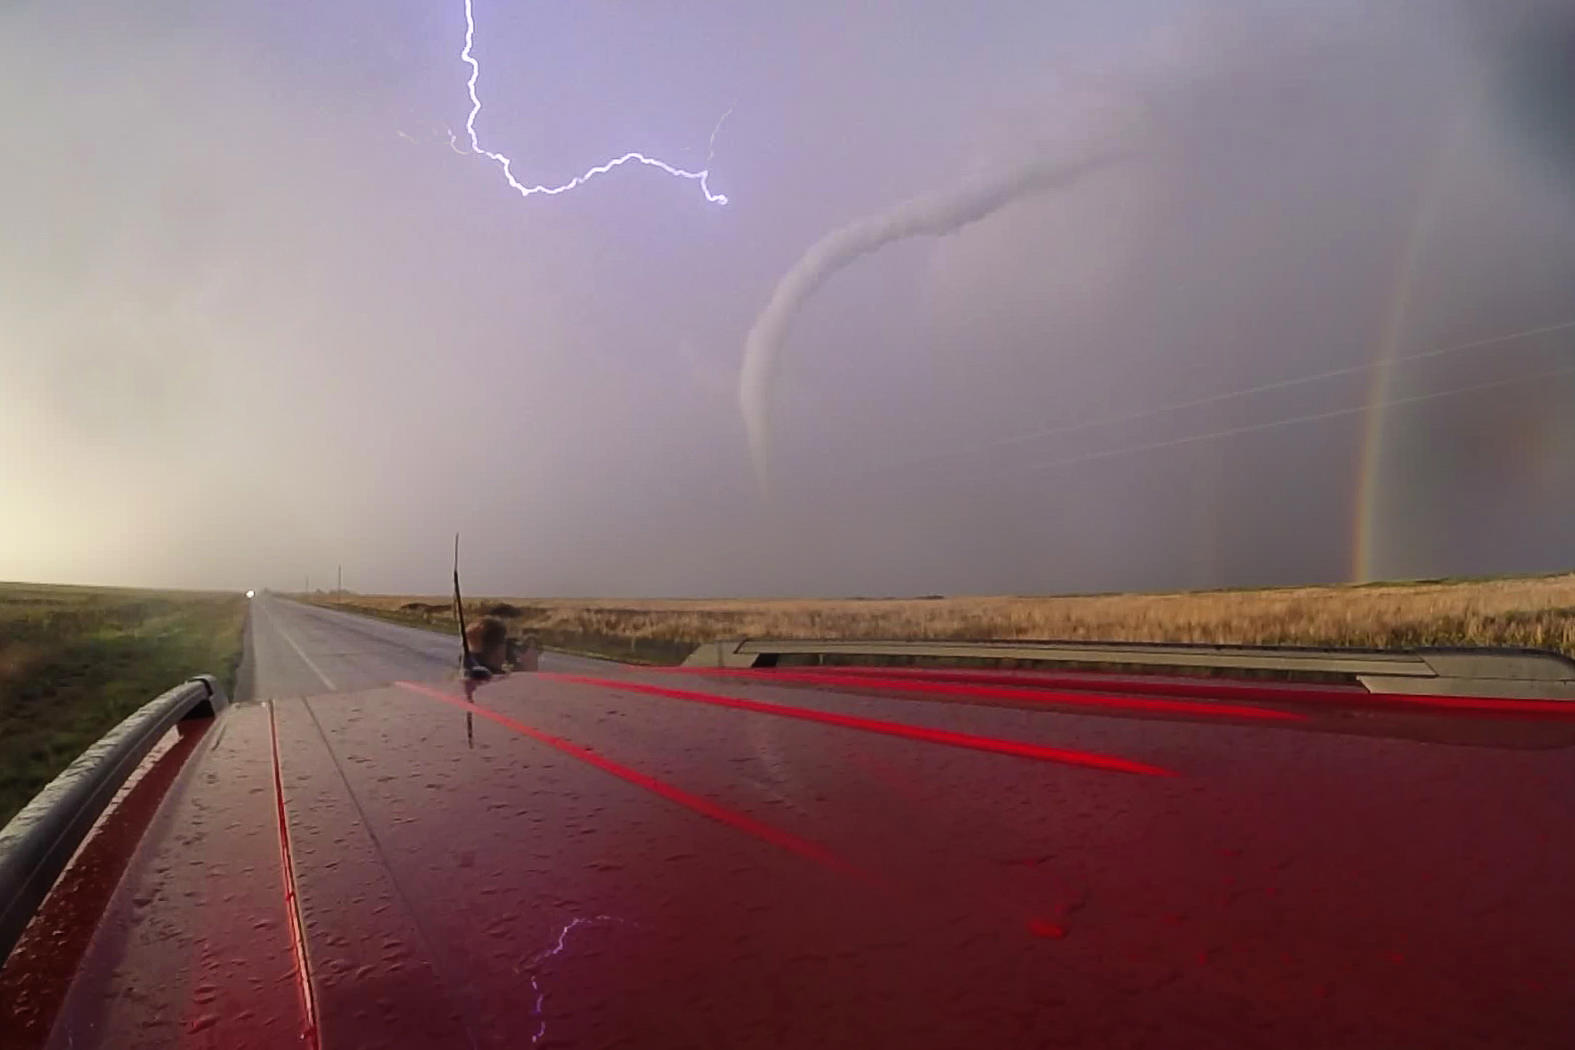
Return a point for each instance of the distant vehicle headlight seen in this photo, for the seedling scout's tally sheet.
(250, 594)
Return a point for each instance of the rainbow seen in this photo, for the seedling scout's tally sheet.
(1366, 517)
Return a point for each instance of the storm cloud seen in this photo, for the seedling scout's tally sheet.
(258, 319)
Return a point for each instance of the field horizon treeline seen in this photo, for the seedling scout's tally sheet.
(1535, 612)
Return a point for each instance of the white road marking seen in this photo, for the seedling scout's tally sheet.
(318, 671)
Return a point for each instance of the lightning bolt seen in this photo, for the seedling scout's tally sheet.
(507, 165)
(533, 965)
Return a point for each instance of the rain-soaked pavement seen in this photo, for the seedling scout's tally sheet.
(598, 856)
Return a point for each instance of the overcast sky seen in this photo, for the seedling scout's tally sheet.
(259, 318)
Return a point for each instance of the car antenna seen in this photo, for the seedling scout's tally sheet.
(459, 612)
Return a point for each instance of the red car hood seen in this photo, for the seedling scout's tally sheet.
(798, 859)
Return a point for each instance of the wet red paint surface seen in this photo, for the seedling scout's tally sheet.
(193, 950)
(924, 734)
(661, 788)
(39, 970)
(565, 862)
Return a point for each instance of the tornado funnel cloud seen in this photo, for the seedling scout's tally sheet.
(931, 215)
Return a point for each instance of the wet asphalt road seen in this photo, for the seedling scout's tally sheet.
(295, 649)
(602, 856)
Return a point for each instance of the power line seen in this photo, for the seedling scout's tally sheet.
(1294, 420)
(1282, 384)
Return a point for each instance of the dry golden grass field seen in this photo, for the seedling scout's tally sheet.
(1535, 612)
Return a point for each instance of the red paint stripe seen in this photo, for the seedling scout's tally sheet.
(1023, 694)
(1274, 692)
(1271, 692)
(1062, 698)
(1111, 684)
(1558, 709)
(292, 903)
(870, 725)
(704, 806)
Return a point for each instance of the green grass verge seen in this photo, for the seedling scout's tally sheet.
(74, 661)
